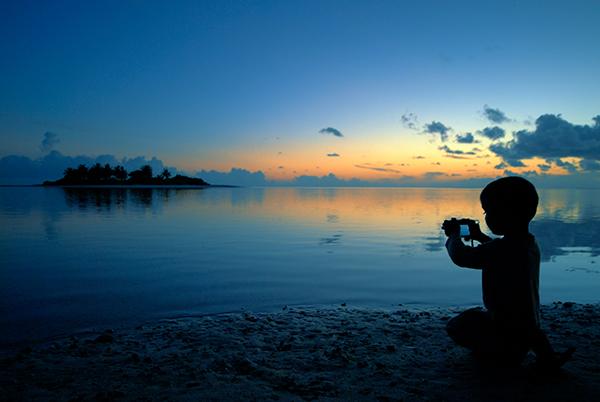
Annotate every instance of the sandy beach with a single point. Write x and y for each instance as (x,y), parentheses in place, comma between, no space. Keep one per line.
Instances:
(336,353)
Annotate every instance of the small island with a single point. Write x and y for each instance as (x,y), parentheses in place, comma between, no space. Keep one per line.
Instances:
(98,175)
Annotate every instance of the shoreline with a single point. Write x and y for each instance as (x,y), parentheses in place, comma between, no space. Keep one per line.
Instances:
(310,353)
(125,186)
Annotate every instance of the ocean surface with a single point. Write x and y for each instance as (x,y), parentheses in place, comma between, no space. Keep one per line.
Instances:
(74,260)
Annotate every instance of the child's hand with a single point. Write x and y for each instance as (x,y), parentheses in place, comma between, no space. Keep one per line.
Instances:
(474,229)
(451,227)
(476,233)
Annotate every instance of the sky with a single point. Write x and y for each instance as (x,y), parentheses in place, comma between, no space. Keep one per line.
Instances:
(371,91)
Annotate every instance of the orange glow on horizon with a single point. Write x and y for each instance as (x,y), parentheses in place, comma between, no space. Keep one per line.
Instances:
(414,156)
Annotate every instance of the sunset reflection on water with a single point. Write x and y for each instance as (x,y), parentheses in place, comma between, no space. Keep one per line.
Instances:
(77,258)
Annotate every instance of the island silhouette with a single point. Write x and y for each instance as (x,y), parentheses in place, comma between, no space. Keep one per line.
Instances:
(98,175)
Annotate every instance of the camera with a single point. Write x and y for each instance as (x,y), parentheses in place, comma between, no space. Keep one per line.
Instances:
(463,226)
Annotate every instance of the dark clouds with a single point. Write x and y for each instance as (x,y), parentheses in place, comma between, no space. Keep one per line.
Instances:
(330,130)
(235,177)
(493,133)
(378,169)
(543,167)
(552,139)
(333,155)
(589,165)
(571,168)
(329,180)
(510,162)
(49,141)
(495,115)
(466,138)
(409,120)
(436,127)
(450,151)
(433,175)
(16,169)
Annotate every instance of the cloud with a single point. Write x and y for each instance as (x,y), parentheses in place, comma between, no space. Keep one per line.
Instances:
(513,163)
(446,149)
(589,165)
(553,138)
(571,168)
(235,177)
(433,175)
(329,180)
(419,157)
(436,127)
(378,169)
(467,138)
(493,133)
(49,141)
(409,120)
(544,167)
(333,155)
(16,169)
(494,115)
(527,173)
(442,179)
(330,130)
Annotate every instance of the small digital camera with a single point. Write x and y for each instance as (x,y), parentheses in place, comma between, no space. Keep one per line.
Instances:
(461,225)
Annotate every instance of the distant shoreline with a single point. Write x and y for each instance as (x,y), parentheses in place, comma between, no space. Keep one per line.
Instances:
(127,186)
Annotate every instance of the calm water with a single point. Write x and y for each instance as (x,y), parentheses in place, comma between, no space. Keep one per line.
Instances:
(72,260)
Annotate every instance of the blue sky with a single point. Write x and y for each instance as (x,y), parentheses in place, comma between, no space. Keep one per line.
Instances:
(216,85)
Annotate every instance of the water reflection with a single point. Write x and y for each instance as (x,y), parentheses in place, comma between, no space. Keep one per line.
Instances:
(566,219)
(217,249)
(331,240)
(558,238)
(434,243)
(555,238)
(332,218)
(584,270)
(116,198)
(99,199)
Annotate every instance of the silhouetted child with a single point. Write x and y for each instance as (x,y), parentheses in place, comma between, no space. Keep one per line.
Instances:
(509,326)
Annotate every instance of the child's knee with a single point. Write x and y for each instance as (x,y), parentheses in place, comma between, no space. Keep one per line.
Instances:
(453,328)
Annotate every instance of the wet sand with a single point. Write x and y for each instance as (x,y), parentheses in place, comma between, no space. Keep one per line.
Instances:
(337,353)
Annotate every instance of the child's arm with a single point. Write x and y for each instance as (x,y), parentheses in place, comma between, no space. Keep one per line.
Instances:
(467,256)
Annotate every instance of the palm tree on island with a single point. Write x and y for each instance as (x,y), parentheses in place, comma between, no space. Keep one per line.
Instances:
(98,175)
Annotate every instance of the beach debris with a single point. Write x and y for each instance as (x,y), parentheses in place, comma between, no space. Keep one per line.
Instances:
(250,317)
(243,365)
(105,337)
(284,346)
(135,357)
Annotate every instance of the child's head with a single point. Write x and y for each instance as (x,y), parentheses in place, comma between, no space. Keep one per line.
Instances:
(510,204)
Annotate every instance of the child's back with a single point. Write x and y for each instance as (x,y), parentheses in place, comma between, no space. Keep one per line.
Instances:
(510,281)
